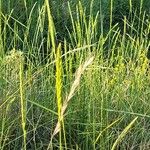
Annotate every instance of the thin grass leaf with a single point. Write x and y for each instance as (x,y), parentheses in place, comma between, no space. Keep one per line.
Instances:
(123,134)
(109,126)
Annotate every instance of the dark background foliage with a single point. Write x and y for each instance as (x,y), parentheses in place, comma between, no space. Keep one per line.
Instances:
(20,10)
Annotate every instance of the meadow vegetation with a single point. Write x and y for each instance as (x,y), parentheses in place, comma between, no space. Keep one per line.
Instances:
(74,74)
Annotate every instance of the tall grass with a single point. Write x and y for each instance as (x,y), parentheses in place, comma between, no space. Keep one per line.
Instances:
(86,89)
(22,102)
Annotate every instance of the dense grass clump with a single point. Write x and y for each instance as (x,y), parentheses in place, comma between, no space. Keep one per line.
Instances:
(74,75)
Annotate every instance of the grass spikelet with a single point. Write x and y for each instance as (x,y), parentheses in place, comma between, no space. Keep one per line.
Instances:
(59,85)
(23,104)
(51,26)
(74,86)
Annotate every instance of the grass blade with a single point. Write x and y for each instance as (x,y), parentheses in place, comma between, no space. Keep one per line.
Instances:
(123,133)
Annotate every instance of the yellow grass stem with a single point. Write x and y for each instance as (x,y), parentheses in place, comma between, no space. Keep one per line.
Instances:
(59,86)
(23,105)
(74,86)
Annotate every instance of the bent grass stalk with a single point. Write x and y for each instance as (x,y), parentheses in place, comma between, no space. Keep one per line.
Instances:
(109,126)
(123,133)
(74,86)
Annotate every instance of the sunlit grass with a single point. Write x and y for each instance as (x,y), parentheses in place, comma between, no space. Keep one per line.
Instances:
(87,90)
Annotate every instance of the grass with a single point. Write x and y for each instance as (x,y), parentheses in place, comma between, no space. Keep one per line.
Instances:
(81,86)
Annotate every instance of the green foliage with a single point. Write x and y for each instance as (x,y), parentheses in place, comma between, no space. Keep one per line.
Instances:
(42,43)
